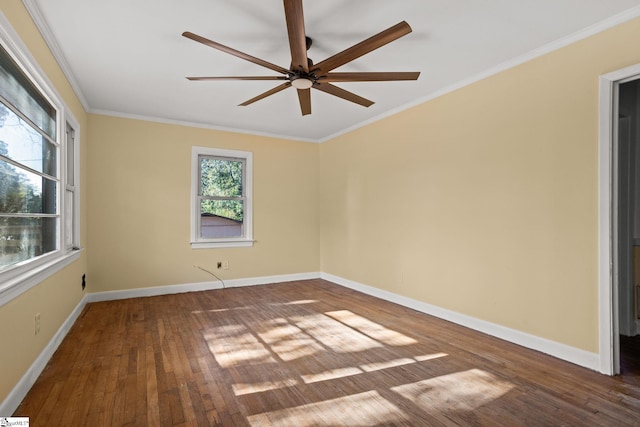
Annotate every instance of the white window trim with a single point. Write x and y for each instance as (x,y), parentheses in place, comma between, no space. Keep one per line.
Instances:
(29,273)
(247,240)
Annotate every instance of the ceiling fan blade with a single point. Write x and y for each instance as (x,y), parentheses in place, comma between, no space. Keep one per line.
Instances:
(370,77)
(304,96)
(297,37)
(344,94)
(364,47)
(238,78)
(234,52)
(267,93)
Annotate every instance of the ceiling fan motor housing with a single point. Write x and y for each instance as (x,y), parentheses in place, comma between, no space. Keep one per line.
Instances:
(302,81)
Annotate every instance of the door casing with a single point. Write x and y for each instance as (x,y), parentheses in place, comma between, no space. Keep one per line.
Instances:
(609,345)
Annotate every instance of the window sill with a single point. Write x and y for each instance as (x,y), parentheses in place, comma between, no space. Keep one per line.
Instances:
(21,283)
(222,244)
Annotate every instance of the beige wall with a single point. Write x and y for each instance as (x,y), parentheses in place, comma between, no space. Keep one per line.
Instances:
(482,201)
(56,297)
(139,206)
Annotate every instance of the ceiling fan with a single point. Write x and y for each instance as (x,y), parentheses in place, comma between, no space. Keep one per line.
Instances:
(303,73)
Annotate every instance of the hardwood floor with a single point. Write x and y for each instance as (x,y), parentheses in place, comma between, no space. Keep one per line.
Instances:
(306,354)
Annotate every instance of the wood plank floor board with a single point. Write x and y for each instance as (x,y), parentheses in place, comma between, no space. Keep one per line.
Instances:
(308,353)
(45,403)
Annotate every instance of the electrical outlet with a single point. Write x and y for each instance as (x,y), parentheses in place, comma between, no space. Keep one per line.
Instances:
(219,265)
(225,264)
(36,323)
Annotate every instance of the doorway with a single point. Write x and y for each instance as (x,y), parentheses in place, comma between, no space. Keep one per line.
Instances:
(619,218)
(627,233)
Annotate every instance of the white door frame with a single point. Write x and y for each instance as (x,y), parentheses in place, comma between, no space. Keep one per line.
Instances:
(609,347)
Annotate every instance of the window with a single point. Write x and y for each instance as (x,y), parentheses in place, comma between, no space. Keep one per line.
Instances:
(221,198)
(38,174)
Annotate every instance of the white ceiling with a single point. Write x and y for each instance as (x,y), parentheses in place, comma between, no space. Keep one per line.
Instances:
(128,58)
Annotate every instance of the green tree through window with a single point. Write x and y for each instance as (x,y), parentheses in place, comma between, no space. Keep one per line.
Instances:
(221,187)
(21,237)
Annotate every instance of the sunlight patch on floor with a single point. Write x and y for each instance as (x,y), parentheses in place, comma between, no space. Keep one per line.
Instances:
(378,366)
(460,391)
(430,356)
(363,409)
(242,389)
(288,341)
(222,310)
(371,329)
(334,335)
(232,345)
(369,367)
(300,302)
(331,374)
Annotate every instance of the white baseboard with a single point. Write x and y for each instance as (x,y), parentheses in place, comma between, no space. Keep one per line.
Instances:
(12,401)
(200,286)
(553,348)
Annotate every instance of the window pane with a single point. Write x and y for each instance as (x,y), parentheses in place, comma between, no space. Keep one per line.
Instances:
(231,209)
(25,238)
(25,192)
(71,155)
(68,219)
(221,218)
(16,88)
(221,178)
(22,144)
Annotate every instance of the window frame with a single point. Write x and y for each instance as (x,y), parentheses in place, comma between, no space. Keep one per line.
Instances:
(198,242)
(24,275)
(71,129)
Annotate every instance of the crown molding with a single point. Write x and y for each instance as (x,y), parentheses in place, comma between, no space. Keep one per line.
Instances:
(54,47)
